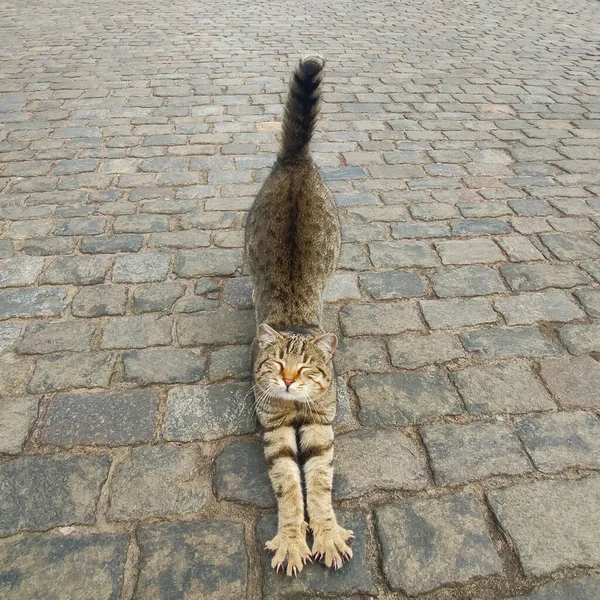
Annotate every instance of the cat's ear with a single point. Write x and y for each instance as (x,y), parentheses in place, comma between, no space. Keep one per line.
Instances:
(327,343)
(266,335)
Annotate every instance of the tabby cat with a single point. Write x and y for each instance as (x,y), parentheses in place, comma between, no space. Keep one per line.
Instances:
(292,249)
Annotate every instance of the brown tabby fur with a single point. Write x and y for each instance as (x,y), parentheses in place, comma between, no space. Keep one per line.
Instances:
(292,249)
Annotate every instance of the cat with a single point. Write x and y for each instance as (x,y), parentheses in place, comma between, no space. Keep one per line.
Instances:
(292,249)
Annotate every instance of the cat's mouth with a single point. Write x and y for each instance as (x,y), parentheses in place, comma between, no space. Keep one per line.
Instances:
(290,394)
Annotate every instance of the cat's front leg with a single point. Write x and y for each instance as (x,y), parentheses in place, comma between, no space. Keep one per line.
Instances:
(289,545)
(330,541)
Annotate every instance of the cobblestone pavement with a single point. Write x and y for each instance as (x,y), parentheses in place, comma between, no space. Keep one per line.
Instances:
(462,142)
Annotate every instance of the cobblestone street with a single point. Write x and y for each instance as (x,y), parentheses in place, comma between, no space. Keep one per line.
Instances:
(461,140)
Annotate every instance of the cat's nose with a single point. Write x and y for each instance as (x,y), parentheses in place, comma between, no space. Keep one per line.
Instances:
(287,382)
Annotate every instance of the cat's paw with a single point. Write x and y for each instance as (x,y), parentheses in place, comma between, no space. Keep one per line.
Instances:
(290,550)
(331,544)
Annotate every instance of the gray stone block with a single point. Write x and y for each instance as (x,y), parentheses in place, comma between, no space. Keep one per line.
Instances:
(393,255)
(51,566)
(20,271)
(18,416)
(137,332)
(200,263)
(209,412)
(523,278)
(393,284)
(141,267)
(360,354)
(467,281)
(468,252)
(57,372)
(33,302)
(375,460)
(403,398)
(570,247)
(80,270)
(447,314)
(110,244)
(480,227)
(430,543)
(354,258)
(110,418)
(163,365)
(9,334)
(505,387)
(41,492)
(192,560)
(342,286)
(241,475)
(157,297)
(411,351)
(519,248)
(379,319)
(527,512)
(216,327)
(238,292)
(504,343)
(47,337)
(230,361)
(529,308)
(100,300)
(157,481)
(463,453)
(581,339)
(580,588)
(590,300)
(574,381)
(353,577)
(561,440)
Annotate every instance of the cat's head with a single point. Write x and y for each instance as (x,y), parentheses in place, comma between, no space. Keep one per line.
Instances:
(293,367)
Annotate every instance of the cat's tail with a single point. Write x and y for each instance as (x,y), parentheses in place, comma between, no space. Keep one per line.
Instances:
(301,109)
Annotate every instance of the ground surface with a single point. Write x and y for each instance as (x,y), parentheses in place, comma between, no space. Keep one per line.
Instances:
(462,142)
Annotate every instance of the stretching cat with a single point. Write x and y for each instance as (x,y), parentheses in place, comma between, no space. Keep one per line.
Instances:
(292,249)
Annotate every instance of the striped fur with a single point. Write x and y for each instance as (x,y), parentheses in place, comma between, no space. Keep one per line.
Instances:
(292,249)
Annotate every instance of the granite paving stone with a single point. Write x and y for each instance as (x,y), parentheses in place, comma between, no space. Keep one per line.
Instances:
(590,299)
(142,267)
(163,365)
(529,308)
(463,312)
(230,361)
(157,297)
(528,511)
(404,398)
(393,284)
(370,460)
(504,343)
(581,339)
(18,416)
(354,577)
(33,302)
(241,475)
(501,388)
(137,332)
(582,588)
(467,281)
(467,252)
(429,543)
(540,276)
(20,271)
(208,412)
(110,418)
(53,566)
(100,300)
(58,336)
(190,560)
(561,440)
(574,381)
(55,372)
(402,254)
(80,270)
(216,327)
(41,492)
(157,481)
(463,453)
(360,354)
(379,319)
(411,351)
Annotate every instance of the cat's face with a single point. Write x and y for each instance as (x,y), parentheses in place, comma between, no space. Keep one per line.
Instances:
(293,367)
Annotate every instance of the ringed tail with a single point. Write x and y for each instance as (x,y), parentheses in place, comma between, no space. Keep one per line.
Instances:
(301,109)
